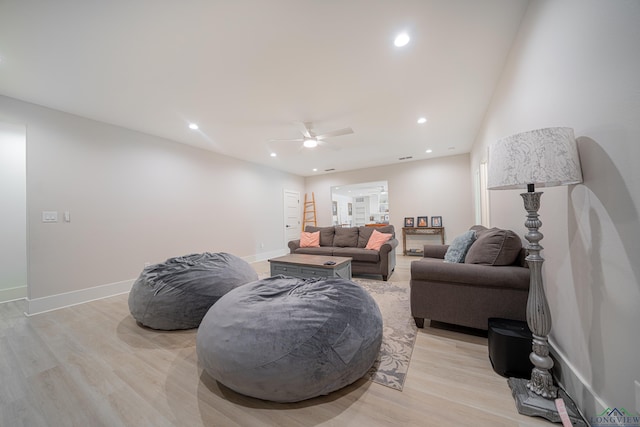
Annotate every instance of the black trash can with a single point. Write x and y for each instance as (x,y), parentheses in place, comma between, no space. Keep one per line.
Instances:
(509,347)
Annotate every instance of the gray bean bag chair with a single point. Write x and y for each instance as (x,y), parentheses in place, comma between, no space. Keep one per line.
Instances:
(287,339)
(177,293)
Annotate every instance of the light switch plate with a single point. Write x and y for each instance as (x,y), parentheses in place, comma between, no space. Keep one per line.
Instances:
(49,216)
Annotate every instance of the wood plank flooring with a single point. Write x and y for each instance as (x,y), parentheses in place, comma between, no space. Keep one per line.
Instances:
(92,365)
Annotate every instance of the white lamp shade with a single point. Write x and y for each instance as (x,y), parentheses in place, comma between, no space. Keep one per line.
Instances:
(544,157)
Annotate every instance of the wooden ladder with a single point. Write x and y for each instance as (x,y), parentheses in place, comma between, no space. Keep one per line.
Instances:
(309,215)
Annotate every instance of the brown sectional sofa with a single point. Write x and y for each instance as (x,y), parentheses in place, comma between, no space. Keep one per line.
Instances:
(493,281)
(351,242)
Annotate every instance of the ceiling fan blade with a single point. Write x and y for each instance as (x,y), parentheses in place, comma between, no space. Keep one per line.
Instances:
(287,140)
(305,128)
(345,131)
(328,145)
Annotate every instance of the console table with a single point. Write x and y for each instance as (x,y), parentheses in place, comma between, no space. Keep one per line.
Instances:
(419,231)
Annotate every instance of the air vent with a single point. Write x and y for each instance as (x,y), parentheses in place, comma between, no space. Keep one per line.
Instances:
(405,158)
(329,170)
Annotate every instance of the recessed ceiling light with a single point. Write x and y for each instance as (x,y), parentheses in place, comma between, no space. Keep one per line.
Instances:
(422,120)
(401,39)
(315,169)
(429,151)
(193,126)
(273,154)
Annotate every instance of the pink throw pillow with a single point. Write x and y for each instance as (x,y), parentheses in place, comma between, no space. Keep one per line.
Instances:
(377,239)
(310,240)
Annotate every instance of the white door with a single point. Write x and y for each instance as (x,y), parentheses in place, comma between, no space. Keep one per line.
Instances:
(361,208)
(291,215)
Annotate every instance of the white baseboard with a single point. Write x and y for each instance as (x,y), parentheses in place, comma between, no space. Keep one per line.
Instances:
(265,255)
(12,294)
(576,386)
(54,302)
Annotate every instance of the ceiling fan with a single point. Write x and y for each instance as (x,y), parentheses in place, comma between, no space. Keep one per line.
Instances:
(310,139)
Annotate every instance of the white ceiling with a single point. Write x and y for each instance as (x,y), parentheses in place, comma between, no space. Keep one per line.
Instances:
(247,70)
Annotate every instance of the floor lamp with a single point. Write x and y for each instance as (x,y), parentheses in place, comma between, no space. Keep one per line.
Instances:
(544,158)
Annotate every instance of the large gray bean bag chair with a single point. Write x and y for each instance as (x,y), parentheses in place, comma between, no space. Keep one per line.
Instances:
(286,339)
(177,293)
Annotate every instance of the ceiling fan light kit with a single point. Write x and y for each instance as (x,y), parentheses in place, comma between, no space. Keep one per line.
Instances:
(310,142)
(310,139)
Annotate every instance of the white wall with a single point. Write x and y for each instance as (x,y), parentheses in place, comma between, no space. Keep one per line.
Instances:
(576,63)
(440,186)
(13,218)
(135,198)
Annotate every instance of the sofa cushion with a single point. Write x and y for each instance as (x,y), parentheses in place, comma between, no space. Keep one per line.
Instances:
(377,239)
(358,254)
(310,240)
(365,233)
(322,250)
(494,247)
(346,237)
(459,247)
(326,234)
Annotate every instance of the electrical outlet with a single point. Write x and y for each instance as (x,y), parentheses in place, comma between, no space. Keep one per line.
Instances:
(637,383)
(49,216)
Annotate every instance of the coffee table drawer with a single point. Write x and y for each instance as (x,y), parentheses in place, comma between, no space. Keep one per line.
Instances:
(284,269)
(316,272)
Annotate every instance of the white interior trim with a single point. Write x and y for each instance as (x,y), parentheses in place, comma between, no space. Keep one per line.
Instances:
(54,302)
(576,386)
(12,294)
(266,255)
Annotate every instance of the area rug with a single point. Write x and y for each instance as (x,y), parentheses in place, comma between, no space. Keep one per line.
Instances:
(398,336)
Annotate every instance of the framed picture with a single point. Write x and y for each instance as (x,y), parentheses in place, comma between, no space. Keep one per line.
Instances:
(334,208)
(423,221)
(436,221)
(408,222)
(349,209)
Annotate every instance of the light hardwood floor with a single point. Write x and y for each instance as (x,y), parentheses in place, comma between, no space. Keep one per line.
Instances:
(92,365)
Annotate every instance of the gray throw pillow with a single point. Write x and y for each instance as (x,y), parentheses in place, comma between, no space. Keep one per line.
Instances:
(459,247)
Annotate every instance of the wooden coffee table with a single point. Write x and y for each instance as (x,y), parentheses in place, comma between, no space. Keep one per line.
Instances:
(306,266)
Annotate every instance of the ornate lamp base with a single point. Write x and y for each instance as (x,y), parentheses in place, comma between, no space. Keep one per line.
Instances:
(529,403)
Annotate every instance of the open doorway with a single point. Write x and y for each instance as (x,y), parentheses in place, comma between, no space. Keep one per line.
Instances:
(366,203)
(13,227)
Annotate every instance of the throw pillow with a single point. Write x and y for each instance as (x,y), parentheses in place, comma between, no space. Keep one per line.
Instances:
(310,240)
(377,239)
(495,247)
(458,248)
(326,234)
(364,233)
